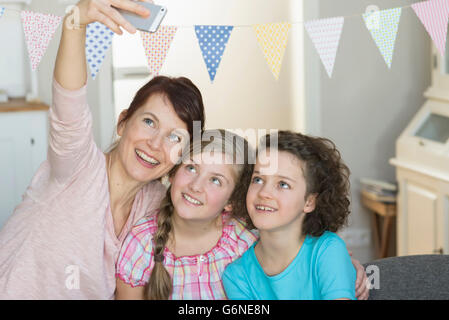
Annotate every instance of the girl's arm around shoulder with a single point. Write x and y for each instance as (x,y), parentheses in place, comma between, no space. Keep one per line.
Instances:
(244,238)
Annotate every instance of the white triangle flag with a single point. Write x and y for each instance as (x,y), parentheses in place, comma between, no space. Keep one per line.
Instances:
(325,35)
(39,29)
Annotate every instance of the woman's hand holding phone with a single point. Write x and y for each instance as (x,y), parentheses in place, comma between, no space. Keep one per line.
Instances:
(102,11)
(70,66)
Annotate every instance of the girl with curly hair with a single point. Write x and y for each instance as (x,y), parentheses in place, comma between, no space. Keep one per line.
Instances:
(297,208)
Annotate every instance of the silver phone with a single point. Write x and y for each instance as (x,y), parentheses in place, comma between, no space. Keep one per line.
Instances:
(150,24)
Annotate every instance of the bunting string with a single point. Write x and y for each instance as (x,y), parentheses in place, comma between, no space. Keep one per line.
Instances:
(356,15)
(324,33)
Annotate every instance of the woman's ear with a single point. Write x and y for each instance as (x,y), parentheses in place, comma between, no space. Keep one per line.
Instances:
(310,203)
(121,123)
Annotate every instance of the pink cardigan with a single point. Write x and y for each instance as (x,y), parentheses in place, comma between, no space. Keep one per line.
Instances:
(60,242)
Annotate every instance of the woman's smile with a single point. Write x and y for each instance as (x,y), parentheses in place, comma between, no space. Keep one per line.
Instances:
(145,159)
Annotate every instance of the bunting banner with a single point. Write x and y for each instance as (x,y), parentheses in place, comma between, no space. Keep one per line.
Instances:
(434,15)
(384,30)
(273,38)
(325,35)
(156,46)
(98,41)
(212,41)
(39,29)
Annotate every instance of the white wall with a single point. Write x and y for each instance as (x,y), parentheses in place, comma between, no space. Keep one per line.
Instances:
(365,106)
(14,73)
(99,90)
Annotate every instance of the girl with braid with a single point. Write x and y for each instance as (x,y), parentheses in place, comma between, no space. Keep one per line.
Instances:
(182,251)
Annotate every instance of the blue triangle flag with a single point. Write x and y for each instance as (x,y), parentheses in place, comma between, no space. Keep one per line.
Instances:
(212,41)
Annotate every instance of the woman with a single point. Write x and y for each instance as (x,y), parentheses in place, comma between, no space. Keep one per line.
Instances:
(63,240)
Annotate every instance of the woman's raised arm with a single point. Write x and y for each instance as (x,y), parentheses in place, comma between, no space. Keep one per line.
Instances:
(70,67)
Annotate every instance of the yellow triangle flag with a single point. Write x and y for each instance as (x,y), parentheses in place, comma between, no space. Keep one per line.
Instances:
(273,39)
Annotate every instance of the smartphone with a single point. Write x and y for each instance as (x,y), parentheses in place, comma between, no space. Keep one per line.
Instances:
(150,24)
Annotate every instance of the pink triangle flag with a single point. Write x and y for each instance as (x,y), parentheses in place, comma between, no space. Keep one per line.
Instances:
(325,35)
(156,46)
(39,29)
(434,15)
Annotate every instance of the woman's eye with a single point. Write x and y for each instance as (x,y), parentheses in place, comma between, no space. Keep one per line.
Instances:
(216,181)
(284,185)
(257,180)
(149,122)
(190,168)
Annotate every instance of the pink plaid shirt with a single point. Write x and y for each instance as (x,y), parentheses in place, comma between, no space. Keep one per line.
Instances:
(194,277)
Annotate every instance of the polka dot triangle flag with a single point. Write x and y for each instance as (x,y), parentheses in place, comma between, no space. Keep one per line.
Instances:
(383,26)
(273,38)
(98,41)
(212,41)
(39,29)
(434,15)
(325,35)
(2,11)
(156,46)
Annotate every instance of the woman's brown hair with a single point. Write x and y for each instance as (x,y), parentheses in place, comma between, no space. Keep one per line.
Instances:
(160,285)
(326,176)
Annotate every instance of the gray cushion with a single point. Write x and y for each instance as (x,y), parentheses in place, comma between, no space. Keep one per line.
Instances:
(419,277)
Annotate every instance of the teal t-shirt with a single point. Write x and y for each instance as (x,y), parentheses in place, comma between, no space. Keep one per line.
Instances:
(322,270)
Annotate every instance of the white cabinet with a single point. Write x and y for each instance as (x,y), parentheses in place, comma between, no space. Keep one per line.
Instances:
(422,169)
(423,211)
(23,145)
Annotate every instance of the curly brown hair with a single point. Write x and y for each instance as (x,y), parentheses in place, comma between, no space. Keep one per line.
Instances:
(326,175)
(160,284)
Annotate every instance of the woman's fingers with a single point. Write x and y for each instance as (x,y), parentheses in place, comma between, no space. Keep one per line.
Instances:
(131,6)
(362,289)
(359,291)
(361,275)
(114,15)
(108,22)
(364,295)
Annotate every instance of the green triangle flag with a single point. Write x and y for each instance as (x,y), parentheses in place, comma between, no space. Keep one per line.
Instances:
(383,26)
